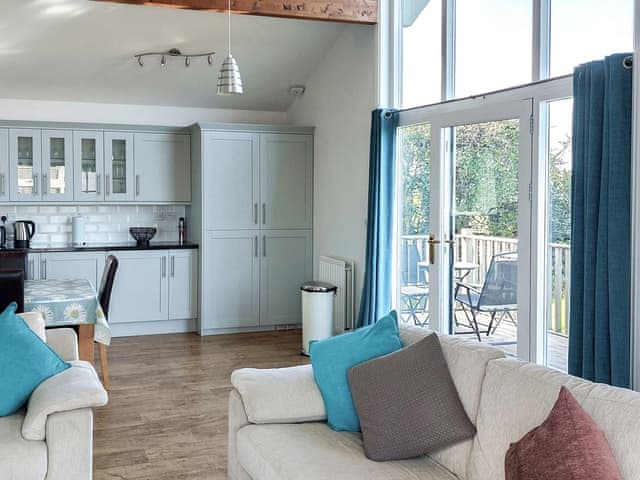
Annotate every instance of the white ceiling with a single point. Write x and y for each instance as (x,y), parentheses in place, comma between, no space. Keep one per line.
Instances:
(80,50)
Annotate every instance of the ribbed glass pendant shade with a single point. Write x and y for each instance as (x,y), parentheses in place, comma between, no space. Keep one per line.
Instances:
(229,80)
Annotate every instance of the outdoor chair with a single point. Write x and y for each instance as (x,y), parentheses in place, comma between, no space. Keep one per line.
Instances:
(497,296)
(414,292)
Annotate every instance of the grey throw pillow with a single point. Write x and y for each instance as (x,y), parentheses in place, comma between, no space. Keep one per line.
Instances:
(407,403)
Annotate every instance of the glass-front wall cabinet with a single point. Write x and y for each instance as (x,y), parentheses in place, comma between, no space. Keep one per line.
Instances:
(88,165)
(118,172)
(57,173)
(24,160)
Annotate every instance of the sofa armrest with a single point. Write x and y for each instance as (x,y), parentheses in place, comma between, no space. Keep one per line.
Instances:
(64,342)
(75,388)
(279,395)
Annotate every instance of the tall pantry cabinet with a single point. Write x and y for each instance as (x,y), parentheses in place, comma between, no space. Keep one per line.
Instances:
(252,215)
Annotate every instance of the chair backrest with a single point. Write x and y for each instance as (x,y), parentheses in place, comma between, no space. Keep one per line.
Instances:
(106,284)
(409,258)
(12,289)
(14,260)
(500,286)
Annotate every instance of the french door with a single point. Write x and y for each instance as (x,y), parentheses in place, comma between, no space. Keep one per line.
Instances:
(464,222)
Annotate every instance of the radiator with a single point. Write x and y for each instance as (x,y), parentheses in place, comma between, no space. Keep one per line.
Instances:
(340,272)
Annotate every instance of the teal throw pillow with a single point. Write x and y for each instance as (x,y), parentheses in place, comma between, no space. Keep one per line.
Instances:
(332,358)
(25,361)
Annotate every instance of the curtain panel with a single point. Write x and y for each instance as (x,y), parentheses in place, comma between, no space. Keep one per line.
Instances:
(599,336)
(377,288)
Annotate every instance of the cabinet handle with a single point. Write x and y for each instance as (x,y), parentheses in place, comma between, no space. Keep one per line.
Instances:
(44,183)
(264,246)
(255,213)
(164,267)
(43,269)
(137,184)
(98,181)
(2,192)
(32,267)
(264,213)
(255,246)
(106,184)
(173,265)
(35,184)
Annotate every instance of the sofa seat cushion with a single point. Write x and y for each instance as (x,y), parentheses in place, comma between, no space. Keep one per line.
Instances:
(19,458)
(313,450)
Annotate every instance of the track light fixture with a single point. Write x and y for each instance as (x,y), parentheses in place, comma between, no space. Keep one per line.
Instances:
(174,52)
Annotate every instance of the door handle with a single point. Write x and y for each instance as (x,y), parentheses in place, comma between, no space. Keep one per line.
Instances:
(98,180)
(164,267)
(2,192)
(173,265)
(255,246)
(432,248)
(264,213)
(264,245)
(35,184)
(255,213)
(106,184)
(44,183)
(137,184)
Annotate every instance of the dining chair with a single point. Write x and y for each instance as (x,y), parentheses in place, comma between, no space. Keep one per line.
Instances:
(104,297)
(14,260)
(12,289)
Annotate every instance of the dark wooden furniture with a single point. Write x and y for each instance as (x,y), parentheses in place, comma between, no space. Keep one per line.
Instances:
(104,297)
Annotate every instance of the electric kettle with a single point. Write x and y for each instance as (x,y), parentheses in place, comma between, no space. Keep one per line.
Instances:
(23,231)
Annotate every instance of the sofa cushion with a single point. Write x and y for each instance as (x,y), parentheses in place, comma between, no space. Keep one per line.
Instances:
(568,444)
(407,403)
(25,361)
(20,458)
(517,396)
(467,361)
(312,450)
(333,357)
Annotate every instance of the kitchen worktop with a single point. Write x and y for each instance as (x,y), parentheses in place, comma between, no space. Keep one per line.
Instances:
(104,247)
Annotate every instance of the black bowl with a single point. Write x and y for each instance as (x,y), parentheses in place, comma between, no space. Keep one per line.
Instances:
(142,235)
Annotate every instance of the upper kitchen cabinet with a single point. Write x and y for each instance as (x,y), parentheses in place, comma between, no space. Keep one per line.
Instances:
(88,165)
(286,181)
(118,166)
(231,167)
(4,164)
(57,165)
(25,150)
(162,167)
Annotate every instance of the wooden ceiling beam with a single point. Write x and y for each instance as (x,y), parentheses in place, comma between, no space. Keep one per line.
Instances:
(349,11)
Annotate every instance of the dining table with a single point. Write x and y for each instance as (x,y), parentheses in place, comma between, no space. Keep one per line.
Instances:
(65,303)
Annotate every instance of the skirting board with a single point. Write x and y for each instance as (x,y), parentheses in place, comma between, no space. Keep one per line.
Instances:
(271,328)
(152,328)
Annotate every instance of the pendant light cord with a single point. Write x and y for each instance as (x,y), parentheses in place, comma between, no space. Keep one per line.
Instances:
(229,29)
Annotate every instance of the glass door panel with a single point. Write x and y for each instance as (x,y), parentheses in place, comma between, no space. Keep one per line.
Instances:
(57,175)
(414,170)
(558,118)
(486,160)
(88,165)
(118,166)
(24,157)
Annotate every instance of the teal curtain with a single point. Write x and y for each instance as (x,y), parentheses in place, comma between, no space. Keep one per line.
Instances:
(599,336)
(377,289)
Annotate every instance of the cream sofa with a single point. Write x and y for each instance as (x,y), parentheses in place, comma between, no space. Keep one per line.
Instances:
(276,428)
(52,438)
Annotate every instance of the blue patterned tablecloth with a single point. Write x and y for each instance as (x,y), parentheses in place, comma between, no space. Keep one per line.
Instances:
(67,302)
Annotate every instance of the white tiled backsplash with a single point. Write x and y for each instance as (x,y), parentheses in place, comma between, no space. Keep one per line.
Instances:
(104,223)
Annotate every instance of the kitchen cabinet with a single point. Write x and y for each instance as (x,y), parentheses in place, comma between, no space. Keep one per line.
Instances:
(154,285)
(4,164)
(88,165)
(162,167)
(118,166)
(230,280)
(57,165)
(257,181)
(25,165)
(66,265)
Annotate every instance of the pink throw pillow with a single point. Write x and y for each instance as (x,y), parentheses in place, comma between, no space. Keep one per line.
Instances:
(568,445)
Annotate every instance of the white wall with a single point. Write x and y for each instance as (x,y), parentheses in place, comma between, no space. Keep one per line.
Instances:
(45,110)
(338,101)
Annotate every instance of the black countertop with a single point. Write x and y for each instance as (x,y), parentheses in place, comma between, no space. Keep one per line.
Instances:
(108,247)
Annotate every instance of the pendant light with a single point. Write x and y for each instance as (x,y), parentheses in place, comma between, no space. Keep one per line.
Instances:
(229,80)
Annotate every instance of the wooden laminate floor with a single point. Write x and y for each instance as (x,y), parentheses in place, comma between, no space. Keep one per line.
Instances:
(167,412)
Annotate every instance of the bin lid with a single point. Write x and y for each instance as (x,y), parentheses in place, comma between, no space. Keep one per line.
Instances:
(318,287)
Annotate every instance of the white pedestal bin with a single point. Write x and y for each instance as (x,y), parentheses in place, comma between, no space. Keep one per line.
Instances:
(317,312)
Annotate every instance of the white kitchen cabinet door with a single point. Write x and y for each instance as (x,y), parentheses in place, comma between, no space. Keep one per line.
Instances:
(286,263)
(118,166)
(4,164)
(162,167)
(57,165)
(230,280)
(183,284)
(33,266)
(231,190)
(25,155)
(88,166)
(140,289)
(72,265)
(286,181)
